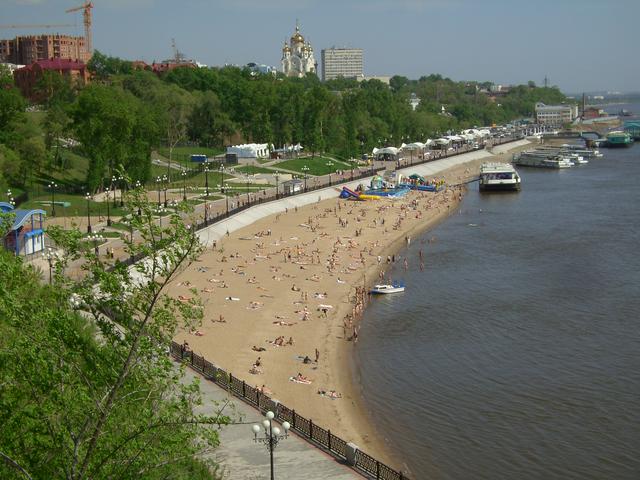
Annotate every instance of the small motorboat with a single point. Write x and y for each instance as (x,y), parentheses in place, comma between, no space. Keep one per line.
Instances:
(384,289)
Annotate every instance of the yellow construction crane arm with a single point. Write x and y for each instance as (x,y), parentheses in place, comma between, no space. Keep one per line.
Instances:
(40,26)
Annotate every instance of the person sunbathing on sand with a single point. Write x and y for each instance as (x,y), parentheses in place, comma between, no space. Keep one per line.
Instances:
(255,370)
(284,324)
(208,290)
(184,298)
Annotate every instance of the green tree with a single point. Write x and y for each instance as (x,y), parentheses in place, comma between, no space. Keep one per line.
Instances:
(103,66)
(53,88)
(91,395)
(56,126)
(115,129)
(208,123)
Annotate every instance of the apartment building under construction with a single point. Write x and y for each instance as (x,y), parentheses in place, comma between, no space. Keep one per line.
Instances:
(25,50)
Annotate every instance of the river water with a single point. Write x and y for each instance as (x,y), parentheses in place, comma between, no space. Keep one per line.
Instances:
(515,354)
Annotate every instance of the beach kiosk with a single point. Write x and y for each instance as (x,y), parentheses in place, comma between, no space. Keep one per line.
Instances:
(26,235)
(293,186)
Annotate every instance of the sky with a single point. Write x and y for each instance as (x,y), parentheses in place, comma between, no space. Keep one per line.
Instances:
(579,45)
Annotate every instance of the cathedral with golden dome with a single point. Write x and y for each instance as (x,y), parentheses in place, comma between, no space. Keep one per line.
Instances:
(297,56)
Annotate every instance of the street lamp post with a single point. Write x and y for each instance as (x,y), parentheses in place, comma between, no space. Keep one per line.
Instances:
(10,198)
(226,195)
(221,170)
(87,196)
(277,176)
(271,436)
(246,177)
(137,186)
(114,186)
(50,256)
(107,192)
(330,164)
(53,186)
(305,169)
(96,239)
(184,184)
(206,179)
(158,181)
(123,185)
(165,185)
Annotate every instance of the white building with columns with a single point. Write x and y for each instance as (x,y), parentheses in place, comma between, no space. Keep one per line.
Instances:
(297,56)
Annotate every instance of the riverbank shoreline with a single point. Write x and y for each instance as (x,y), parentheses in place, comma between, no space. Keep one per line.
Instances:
(287,254)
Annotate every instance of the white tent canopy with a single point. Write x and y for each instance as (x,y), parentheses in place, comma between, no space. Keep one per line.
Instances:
(386,150)
(412,146)
(250,150)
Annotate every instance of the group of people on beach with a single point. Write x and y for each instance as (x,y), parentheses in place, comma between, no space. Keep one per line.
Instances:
(351,250)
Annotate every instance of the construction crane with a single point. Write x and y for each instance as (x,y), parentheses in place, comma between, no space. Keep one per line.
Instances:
(86,13)
(39,26)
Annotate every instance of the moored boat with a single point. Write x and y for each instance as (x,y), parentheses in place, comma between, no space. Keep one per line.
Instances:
(619,139)
(384,289)
(498,176)
(534,158)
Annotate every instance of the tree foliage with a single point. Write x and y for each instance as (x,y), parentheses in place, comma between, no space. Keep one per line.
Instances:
(116,130)
(90,395)
(129,112)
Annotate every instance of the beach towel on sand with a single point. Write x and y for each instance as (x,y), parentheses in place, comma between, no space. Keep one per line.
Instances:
(304,382)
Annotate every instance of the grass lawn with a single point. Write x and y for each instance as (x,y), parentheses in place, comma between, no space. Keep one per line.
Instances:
(317,165)
(77,207)
(252,169)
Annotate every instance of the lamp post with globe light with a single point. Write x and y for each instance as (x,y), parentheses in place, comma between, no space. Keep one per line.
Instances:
(107,192)
(10,198)
(97,239)
(50,256)
(138,186)
(226,196)
(87,196)
(184,184)
(221,170)
(271,435)
(305,169)
(52,186)
(329,164)
(206,179)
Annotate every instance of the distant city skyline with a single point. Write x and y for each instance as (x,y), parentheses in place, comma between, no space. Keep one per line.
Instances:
(580,46)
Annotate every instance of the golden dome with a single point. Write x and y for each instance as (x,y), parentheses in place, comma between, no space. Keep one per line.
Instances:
(286,48)
(297,37)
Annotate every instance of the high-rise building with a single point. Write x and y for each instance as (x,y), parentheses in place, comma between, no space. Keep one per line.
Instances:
(342,62)
(25,50)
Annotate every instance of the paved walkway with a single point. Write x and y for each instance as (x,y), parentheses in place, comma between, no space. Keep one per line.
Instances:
(242,458)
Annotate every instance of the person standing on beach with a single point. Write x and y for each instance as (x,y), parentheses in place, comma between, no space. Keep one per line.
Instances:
(317,355)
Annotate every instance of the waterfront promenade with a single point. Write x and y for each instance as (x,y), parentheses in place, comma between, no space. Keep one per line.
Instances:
(430,169)
(241,458)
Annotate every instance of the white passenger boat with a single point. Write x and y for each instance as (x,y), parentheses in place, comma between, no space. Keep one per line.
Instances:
(533,158)
(575,158)
(385,288)
(498,176)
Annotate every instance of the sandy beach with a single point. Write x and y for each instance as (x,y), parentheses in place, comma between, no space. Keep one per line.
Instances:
(293,285)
